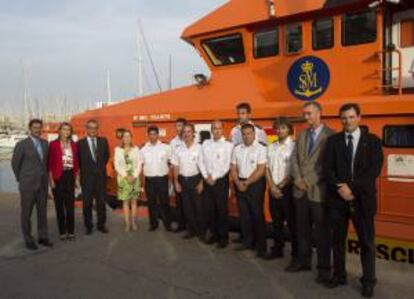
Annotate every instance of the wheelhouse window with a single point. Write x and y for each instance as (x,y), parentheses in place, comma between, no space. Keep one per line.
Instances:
(399,136)
(225,50)
(407,33)
(323,34)
(266,43)
(294,43)
(359,28)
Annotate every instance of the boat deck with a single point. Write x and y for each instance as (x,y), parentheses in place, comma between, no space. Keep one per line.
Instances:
(160,265)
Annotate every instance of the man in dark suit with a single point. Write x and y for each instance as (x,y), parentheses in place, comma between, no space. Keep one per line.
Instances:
(29,163)
(352,163)
(93,157)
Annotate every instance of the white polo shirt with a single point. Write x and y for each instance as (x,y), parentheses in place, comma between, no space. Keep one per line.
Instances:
(155,158)
(216,157)
(247,158)
(188,159)
(279,159)
(236,135)
(175,143)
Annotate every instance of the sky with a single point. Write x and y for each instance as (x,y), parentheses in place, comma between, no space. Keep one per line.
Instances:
(65,48)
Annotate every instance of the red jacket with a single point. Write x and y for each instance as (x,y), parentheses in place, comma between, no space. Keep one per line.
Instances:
(55,164)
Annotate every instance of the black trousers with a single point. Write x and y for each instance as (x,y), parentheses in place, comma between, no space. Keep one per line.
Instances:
(312,219)
(216,208)
(192,203)
(94,188)
(252,220)
(365,229)
(283,210)
(156,189)
(179,209)
(64,194)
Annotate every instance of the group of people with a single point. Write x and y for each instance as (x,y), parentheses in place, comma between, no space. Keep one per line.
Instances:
(316,184)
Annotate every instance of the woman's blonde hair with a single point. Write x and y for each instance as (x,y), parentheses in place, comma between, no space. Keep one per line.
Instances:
(122,138)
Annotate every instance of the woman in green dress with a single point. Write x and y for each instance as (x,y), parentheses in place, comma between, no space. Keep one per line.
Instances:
(128,167)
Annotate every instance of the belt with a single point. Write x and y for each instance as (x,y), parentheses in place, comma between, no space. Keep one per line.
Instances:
(188,178)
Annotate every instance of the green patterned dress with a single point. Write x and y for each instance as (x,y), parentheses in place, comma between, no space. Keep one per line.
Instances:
(126,190)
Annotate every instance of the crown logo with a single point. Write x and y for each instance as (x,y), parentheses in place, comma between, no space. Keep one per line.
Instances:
(307,67)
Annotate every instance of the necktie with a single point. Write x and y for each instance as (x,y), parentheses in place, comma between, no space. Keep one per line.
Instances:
(349,153)
(94,147)
(311,140)
(39,149)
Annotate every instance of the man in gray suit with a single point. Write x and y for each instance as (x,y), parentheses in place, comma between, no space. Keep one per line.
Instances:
(29,163)
(309,194)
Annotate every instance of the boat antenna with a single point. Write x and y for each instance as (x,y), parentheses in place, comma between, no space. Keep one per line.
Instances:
(154,70)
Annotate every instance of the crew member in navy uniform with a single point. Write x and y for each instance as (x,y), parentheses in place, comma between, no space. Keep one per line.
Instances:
(352,163)
(156,156)
(93,152)
(217,158)
(248,173)
(175,144)
(188,163)
(279,180)
(244,112)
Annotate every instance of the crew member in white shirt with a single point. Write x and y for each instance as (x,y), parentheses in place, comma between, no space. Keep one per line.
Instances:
(248,173)
(217,159)
(244,113)
(155,158)
(176,143)
(279,180)
(187,161)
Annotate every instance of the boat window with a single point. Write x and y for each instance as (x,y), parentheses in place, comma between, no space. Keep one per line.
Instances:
(399,136)
(225,50)
(407,33)
(294,42)
(359,28)
(266,43)
(323,34)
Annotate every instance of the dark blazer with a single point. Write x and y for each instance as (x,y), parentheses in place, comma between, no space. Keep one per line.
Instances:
(368,163)
(30,171)
(88,167)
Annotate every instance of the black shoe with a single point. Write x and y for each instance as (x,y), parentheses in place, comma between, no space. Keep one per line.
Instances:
(188,236)
(103,230)
(88,231)
(276,254)
(263,255)
(222,244)
(31,246)
(45,242)
(242,247)
(210,240)
(367,291)
(297,268)
(63,237)
(238,239)
(153,228)
(179,229)
(168,228)
(322,280)
(334,283)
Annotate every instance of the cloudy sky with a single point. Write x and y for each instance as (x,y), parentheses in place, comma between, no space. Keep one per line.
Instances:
(66,47)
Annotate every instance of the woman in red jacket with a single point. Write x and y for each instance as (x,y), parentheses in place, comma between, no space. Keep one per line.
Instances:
(63,175)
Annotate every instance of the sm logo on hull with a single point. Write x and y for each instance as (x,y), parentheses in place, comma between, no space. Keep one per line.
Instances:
(308,78)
